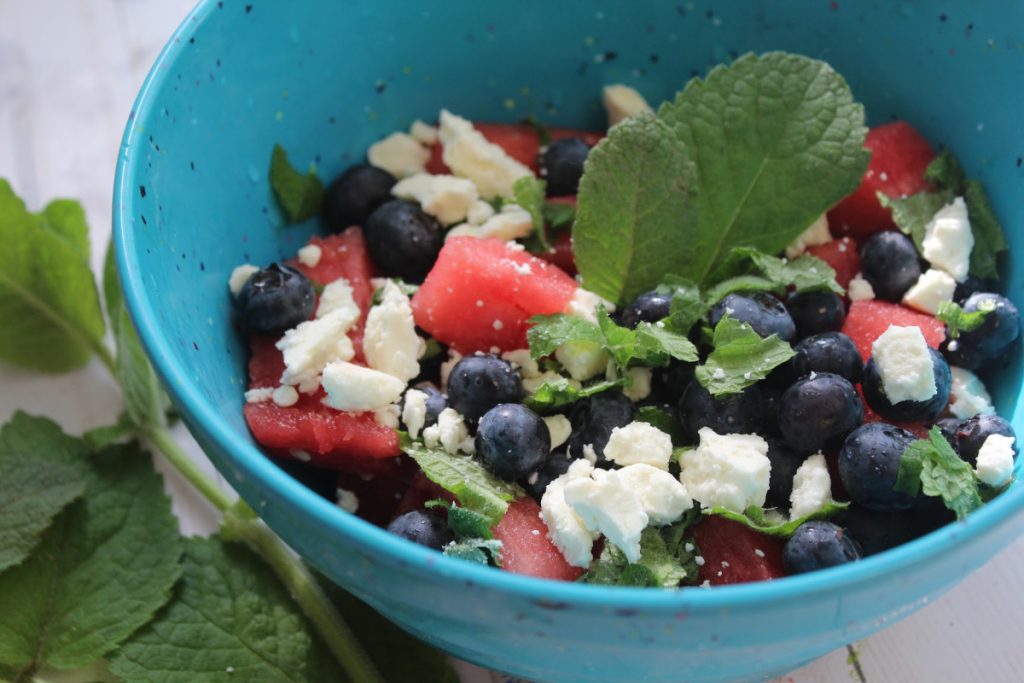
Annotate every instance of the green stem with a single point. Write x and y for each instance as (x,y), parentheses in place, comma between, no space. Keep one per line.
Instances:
(160,438)
(106,357)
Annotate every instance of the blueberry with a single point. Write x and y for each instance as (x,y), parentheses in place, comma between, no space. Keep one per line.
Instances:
(828,352)
(275,299)
(512,441)
(928,514)
(420,526)
(668,383)
(593,420)
(970,435)
(403,239)
(740,413)
(537,482)
(971,285)
(436,402)
(818,545)
(818,411)
(478,383)
(889,261)
(784,466)
(561,164)
(948,427)
(649,307)
(991,339)
(877,531)
(908,411)
(869,463)
(352,196)
(816,312)
(771,400)
(763,312)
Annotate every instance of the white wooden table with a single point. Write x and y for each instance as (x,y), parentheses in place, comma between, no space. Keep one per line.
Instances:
(69,71)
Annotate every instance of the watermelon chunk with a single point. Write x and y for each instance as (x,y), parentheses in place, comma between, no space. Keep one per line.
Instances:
(481,293)
(380,495)
(519,141)
(867,320)
(842,256)
(525,546)
(734,553)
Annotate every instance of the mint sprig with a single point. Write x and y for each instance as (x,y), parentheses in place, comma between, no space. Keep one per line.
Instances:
(300,194)
(932,467)
(774,524)
(664,560)
(747,269)
(740,358)
(558,393)
(958,320)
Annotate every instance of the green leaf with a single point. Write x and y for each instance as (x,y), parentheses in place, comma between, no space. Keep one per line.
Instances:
(958,320)
(558,216)
(777,140)
(664,420)
(111,285)
(465,478)
(66,219)
(102,570)
(635,211)
(465,523)
(649,344)
(479,550)
(664,560)
(932,466)
(300,195)
(548,332)
(230,620)
(687,306)
(740,358)
(143,396)
(528,192)
(804,274)
(770,523)
(99,438)
(989,240)
(944,172)
(48,298)
(912,214)
(557,393)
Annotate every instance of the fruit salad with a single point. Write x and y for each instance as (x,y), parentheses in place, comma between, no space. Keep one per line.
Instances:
(738,338)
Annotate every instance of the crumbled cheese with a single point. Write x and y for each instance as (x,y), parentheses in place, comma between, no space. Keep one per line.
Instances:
(608,505)
(812,487)
(399,154)
(469,155)
(968,396)
(337,296)
(445,197)
(511,223)
(259,395)
(285,396)
(730,470)
(313,344)
(639,442)
(565,528)
(813,236)
(450,433)
(560,429)
(414,411)
(310,255)
(621,102)
(589,454)
(948,240)
(387,416)
(446,367)
(239,276)
(584,304)
(347,500)
(531,384)
(860,289)
(639,386)
(423,133)
(300,454)
(523,361)
(995,460)
(354,388)
(479,212)
(904,364)
(390,342)
(663,497)
(932,288)
(582,359)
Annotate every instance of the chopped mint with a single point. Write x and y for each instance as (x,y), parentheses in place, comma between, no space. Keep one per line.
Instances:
(300,195)
(989,240)
(479,550)
(773,523)
(463,522)
(558,216)
(912,214)
(687,307)
(432,349)
(740,358)
(958,320)
(664,560)
(932,466)
(558,393)
(529,192)
(548,332)
(651,345)
(804,274)
(945,172)
(403,286)
(663,419)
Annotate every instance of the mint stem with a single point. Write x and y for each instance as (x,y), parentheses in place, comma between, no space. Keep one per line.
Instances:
(161,438)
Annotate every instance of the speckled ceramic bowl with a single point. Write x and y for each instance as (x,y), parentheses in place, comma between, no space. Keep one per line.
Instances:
(326,79)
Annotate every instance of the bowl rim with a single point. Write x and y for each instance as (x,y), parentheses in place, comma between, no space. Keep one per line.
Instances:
(377,541)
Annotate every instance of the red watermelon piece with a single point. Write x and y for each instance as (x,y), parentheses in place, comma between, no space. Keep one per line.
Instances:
(380,494)
(842,256)
(481,293)
(419,492)
(525,546)
(867,320)
(561,254)
(735,553)
(519,141)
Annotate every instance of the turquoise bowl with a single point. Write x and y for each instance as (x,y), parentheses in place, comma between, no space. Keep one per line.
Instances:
(325,79)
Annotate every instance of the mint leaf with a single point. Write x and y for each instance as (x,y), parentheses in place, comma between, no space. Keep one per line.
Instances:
(647,345)
(912,214)
(230,620)
(944,172)
(465,478)
(663,562)
(804,274)
(557,393)
(66,218)
(777,140)
(48,298)
(111,284)
(635,210)
(463,522)
(143,396)
(663,419)
(300,195)
(932,466)
(558,216)
(740,358)
(479,550)
(548,332)
(958,320)
(771,523)
(989,240)
(101,571)
(687,306)
(528,192)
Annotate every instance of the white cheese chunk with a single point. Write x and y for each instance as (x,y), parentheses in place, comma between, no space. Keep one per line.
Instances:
(446,367)
(968,396)
(522,361)
(450,433)
(479,212)
(387,416)
(582,359)
(817,234)
(347,500)
(445,197)
(390,342)
(414,411)
(663,497)
(259,395)
(285,396)
(565,528)
(337,297)
(531,384)
(511,223)
(308,348)
(860,289)
(310,255)
(469,155)
(560,428)
(948,240)
(423,133)
(354,388)
(812,487)
(399,154)
(607,504)
(730,470)
(639,442)
(239,276)
(639,386)
(584,304)
(995,460)
(932,288)
(621,102)
(904,364)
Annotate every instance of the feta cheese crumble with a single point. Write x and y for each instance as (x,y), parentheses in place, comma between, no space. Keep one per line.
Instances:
(308,348)
(387,416)
(450,433)
(584,304)
(968,396)
(423,133)
(347,500)
(239,276)
(445,197)
(559,428)
(812,487)
(904,364)
(285,396)
(639,386)
(355,388)
(511,223)
(932,288)
(815,235)
(730,470)
(414,411)
(621,102)
(522,360)
(259,395)
(639,442)
(337,296)
(469,155)
(995,460)
(310,255)
(663,497)
(479,212)
(390,342)
(948,240)
(565,528)
(860,289)
(399,154)
(606,504)
(582,359)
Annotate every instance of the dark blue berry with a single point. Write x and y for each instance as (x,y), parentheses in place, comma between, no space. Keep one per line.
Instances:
(970,435)
(436,402)
(877,531)
(403,239)
(828,352)
(784,466)
(816,312)
(763,312)
(971,285)
(669,383)
(869,463)
(889,261)
(594,419)
(537,482)
(561,165)
(948,427)
(818,545)
(649,307)
(989,341)
(478,383)
(275,299)
(512,441)
(425,528)
(908,411)
(741,413)
(818,411)
(928,514)
(771,401)
(352,196)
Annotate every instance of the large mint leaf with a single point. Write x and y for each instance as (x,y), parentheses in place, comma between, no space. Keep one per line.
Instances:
(300,194)
(636,210)
(144,398)
(989,241)
(764,522)
(66,218)
(101,571)
(932,466)
(740,358)
(776,140)
(230,620)
(548,332)
(111,284)
(49,305)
